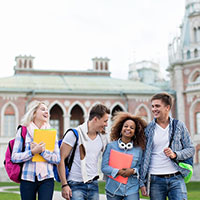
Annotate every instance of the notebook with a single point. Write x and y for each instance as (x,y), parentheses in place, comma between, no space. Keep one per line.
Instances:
(48,136)
(120,160)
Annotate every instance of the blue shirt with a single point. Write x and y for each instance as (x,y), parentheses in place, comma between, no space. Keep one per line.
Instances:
(115,187)
(181,145)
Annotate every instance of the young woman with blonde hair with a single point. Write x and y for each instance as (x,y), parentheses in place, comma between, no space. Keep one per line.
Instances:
(37,177)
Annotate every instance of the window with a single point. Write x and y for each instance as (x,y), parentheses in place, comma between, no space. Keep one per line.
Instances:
(188,54)
(195,34)
(195,53)
(198,122)
(198,35)
(9,123)
(9,126)
(74,123)
(55,124)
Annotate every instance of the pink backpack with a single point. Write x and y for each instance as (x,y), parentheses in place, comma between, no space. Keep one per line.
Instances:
(14,170)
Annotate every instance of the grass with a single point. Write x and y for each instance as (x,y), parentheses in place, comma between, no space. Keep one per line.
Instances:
(192,187)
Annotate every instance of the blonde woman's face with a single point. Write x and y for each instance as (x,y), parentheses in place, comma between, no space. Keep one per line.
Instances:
(42,113)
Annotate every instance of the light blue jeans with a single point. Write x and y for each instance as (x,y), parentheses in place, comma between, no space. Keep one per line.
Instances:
(84,191)
(110,196)
(174,188)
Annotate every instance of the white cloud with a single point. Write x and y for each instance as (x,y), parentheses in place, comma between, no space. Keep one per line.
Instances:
(67,34)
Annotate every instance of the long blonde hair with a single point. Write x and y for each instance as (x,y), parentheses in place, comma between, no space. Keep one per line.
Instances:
(30,114)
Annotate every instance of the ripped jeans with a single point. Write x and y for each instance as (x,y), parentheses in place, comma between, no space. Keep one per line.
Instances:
(174,188)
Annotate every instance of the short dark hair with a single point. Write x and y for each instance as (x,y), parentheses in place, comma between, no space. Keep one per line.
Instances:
(99,110)
(164,97)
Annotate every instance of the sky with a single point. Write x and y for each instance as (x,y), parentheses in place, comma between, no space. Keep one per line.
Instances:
(67,34)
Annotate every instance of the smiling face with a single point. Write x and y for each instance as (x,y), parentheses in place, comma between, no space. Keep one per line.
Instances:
(128,129)
(100,124)
(159,109)
(41,115)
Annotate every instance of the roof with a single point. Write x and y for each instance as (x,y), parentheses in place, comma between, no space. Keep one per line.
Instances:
(73,84)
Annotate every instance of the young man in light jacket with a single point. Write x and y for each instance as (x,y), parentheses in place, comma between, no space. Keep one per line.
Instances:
(82,180)
(167,178)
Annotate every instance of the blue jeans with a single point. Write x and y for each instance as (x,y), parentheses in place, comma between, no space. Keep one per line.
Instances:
(28,189)
(110,196)
(84,191)
(174,188)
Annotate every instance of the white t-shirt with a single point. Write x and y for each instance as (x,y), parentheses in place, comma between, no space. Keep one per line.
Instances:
(93,151)
(160,163)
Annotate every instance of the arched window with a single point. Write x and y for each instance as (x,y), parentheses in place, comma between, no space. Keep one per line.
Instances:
(101,66)
(195,34)
(9,122)
(117,108)
(196,77)
(56,120)
(20,64)
(97,67)
(25,64)
(198,35)
(76,116)
(196,53)
(106,66)
(142,113)
(188,54)
(198,122)
(30,64)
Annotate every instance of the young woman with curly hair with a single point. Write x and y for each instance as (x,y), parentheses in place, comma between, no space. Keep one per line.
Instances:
(127,137)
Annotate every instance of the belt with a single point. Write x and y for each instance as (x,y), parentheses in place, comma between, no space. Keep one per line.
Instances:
(94,179)
(167,175)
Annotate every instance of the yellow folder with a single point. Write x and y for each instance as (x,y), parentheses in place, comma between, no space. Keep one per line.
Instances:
(48,136)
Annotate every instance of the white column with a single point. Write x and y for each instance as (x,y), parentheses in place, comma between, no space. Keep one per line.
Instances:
(66,122)
(178,83)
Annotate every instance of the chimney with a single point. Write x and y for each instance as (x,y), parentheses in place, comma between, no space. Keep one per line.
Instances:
(100,64)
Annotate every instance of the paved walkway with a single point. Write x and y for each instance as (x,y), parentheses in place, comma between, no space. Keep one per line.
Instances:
(56,195)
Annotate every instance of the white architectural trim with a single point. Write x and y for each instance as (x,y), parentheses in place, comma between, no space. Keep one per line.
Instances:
(147,110)
(2,115)
(64,112)
(82,107)
(117,104)
(191,117)
(191,76)
(95,103)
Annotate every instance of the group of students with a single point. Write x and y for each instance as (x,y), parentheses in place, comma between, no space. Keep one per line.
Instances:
(147,145)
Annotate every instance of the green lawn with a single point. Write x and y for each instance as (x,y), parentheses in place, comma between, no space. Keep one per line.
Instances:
(192,187)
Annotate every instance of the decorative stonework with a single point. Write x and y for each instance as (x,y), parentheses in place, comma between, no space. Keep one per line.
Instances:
(87,104)
(10,98)
(67,103)
(108,104)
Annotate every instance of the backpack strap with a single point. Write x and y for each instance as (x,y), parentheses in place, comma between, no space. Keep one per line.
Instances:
(69,159)
(23,135)
(174,123)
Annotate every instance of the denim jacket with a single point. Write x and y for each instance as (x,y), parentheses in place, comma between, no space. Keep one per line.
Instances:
(114,187)
(181,145)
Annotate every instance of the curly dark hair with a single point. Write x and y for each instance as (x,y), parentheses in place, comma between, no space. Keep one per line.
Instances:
(119,119)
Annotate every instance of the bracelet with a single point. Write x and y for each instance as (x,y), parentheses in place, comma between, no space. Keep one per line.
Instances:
(65,185)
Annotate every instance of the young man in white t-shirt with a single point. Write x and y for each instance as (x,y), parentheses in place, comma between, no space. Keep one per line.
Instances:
(82,181)
(167,178)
